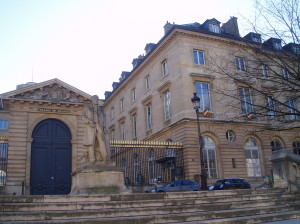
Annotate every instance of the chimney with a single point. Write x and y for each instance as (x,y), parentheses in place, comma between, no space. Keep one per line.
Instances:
(149,47)
(168,26)
(231,27)
(123,75)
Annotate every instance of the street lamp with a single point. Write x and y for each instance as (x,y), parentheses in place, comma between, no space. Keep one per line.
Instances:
(196,102)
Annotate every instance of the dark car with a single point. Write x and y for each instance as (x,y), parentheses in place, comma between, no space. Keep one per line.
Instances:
(175,186)
(230,183)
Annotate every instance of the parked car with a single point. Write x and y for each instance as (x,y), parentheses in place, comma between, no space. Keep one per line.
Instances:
(175,186)
(230,183)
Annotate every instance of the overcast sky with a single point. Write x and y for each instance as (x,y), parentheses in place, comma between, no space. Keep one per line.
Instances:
(88,43)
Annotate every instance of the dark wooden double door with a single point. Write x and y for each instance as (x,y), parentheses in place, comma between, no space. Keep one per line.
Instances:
(51,159)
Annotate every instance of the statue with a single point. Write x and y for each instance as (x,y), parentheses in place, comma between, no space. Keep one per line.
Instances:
(93,137)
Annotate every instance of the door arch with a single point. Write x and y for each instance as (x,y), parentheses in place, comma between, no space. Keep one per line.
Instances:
(51,158)
(252,158)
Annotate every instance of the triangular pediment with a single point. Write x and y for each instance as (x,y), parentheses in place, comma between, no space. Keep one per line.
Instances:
(53,90)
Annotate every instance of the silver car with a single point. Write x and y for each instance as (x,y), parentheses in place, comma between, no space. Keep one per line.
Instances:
(176,186)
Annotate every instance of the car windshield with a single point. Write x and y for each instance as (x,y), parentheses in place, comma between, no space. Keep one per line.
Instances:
(218,182)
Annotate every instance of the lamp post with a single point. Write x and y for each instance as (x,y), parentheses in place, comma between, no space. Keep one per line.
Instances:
(196,103)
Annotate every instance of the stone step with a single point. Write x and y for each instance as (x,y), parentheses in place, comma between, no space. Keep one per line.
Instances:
(222,216)
(163,200)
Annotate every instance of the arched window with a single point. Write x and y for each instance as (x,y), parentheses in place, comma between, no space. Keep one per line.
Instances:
(276,145)
(252,158)
(209,157)
(136,166)
(151,167)
(296,147)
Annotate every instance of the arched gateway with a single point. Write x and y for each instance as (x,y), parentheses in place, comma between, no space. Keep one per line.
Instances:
(51,158)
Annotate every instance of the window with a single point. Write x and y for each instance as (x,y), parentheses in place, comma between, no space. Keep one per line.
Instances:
(202,90)
(165,71)
(147,82)
(292,110)
(277,45)
(240,64)
(296,50)
(252,158)
(149,116)
(276,145)
(198,57)
(134,125)
(133,93)
(270,107)
(3,124)
(246,101)
(214,28)
(265,71)
(122,104)
(167,105)
(112,113)
(285,74)
(112,134)
(230,136)
(209,157)
(296,147)
(123,131)
(3,161)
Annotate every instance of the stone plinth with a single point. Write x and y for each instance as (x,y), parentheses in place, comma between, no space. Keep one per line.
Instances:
(98,178)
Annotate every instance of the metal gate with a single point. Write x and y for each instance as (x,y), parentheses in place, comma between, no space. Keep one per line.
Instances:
(145,162)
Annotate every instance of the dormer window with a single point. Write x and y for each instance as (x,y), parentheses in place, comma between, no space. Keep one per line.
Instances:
(296,50)
(256,39)
(214,28)
(277,45)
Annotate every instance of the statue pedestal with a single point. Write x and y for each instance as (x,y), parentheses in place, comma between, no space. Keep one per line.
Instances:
(98,178)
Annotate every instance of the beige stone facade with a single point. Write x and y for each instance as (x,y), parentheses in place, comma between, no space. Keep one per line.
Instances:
(27,107)
(168,70)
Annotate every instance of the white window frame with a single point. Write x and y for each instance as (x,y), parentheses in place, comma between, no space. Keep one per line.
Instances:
(112,113)
(246,101)
(148,83)
(240,64)
(167,105)
(133,92)
(198,57)
(112,134)
(165,69)
(122,105)
(205,99)
(122,127)
(214,28)
(285,74)
(291,109)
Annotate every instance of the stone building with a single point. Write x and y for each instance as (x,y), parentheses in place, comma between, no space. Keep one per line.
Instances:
(42,133)
(153,101)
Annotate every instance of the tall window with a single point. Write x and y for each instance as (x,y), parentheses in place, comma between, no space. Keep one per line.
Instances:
(3,162)
(246,101)
(151,167)
(165,70)
(112,113)
(123,131)
(149,116)
(252,158)
(122,104)
(276,145)
(209,157)
(198,57)
(292,110)
(112,134)
(133,94)
(148,84)
(270,107)
(296,147)
(134,125)
(265,71)
(240,64)
(285,74)
(167,105)
(202,90)
(3,124)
